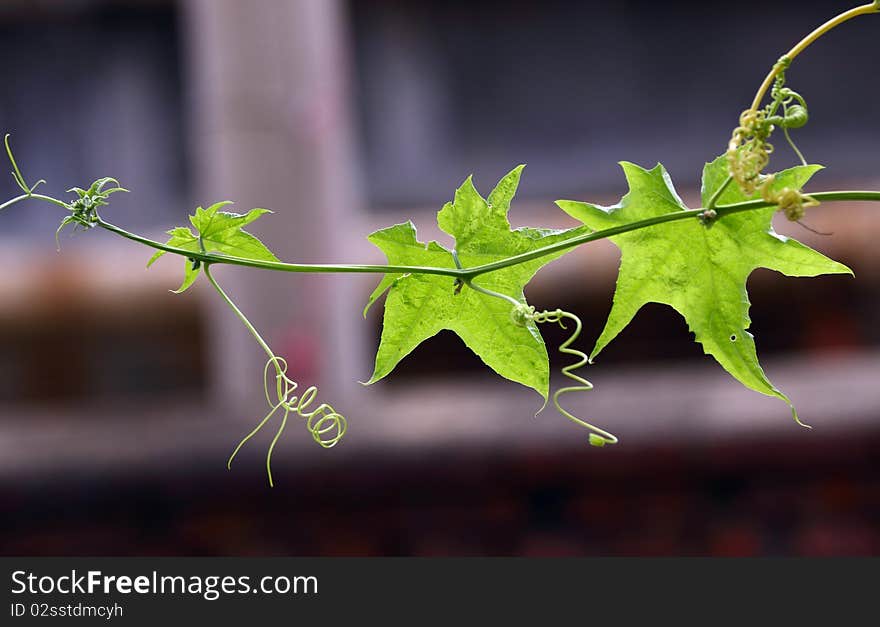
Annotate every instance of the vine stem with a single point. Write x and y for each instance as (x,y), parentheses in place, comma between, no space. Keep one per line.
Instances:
(483,290)
(721,211)
(804,43)
(475,271)
(714,199)
(49,199)
(238,312)
(465,274)
(487,292)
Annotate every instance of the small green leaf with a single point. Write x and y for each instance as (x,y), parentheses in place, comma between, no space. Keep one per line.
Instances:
(219,232)
(700,271)
(191,273)
(419,306)
(181,237)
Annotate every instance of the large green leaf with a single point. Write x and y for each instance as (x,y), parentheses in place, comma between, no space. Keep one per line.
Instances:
(419,306)
(699,270)
(219,232)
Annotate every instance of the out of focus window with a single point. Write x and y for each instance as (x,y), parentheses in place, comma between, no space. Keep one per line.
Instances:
(454,87)
(93,89)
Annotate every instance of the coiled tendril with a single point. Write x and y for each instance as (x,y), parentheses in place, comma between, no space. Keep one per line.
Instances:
(748,151)
(325,424)
(791,202)
(523,313)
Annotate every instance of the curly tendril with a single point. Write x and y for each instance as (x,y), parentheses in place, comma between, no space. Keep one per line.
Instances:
(524,313)
(748,151)
(324,423)
(791,202)
(521,314)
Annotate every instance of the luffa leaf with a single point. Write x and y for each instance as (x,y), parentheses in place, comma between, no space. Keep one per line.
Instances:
(220,232)
(419,306)
(698,270)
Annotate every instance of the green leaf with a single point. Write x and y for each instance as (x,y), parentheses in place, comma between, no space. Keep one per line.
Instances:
(419,306)
(219,232)
(700,271)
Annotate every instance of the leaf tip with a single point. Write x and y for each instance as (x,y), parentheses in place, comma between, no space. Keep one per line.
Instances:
(797,419)
(155,258)
(544,406)
(219,205)
(369,306)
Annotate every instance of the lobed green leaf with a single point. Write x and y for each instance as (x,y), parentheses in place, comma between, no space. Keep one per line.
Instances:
(218,232)
(699,270)
(420,306)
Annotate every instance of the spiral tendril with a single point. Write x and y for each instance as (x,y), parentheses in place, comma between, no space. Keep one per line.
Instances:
(791,202)
(748,151)
(521,314)
(324,423)
(598,437)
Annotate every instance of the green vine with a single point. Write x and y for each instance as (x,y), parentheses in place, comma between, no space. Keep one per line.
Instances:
(670,254)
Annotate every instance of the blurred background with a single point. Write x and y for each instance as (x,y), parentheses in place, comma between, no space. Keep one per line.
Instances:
(120,402)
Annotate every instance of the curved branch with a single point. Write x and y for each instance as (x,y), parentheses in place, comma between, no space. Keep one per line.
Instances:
(804,43)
